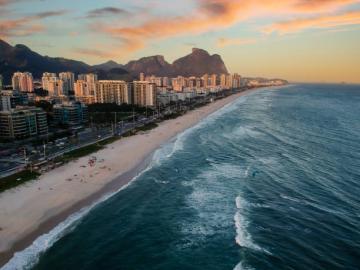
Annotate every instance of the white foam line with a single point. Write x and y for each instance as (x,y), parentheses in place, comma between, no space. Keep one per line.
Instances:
(30,256)
(243,237)
(240,266)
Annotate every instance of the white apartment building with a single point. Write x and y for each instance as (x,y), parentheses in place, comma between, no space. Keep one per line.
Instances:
(111,91)
(23,81)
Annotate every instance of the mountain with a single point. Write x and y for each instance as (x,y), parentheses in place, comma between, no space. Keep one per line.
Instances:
(21,58)
(152,65)
(198,63)
(114,74)
(107,66)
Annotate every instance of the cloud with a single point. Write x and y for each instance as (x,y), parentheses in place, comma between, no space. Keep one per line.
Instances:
(4,2)
(46,14)
(223,42)
(20,27)
(94,53)
(212,15)
(321,5)
(27,25)
(292,26)
(100,12)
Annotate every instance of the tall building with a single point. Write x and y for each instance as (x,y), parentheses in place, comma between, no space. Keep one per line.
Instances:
(47,79)
(53,84)
(156,80)
(199,83)
(223,80)
(213,80)
(205,80)
(191,82)
(144,93)
(22,123)
(82,92)
(226,81)
(5,101)
(142,76)
(81,88)
(82,77)
(68,79)
(179,83)
(91,80)
(10,99)
(112,92)
(236,81)
(165,81)
(23,81)
(70,113)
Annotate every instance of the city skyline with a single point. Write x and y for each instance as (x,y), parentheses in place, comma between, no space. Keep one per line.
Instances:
(310,41)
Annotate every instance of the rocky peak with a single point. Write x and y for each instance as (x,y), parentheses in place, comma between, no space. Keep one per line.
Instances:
(198,63)
(22,47)
(199,51)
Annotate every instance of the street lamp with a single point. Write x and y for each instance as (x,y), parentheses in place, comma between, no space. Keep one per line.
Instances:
(44,146)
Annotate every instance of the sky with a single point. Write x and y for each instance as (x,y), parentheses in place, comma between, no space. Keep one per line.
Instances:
(298,40)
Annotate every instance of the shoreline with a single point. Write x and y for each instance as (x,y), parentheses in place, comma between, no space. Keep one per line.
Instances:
(37,214)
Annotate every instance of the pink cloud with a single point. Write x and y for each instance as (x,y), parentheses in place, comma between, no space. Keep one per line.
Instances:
(322,21)
(223,42)
(213,15)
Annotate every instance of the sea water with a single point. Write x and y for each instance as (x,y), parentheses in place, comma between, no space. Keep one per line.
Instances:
(271,181)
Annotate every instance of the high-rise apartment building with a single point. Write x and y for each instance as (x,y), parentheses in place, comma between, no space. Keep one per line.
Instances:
(81,88)
(91,80)
(199,83)
(226,81)
(223,80)
(82,77)
(179,83)
(213,80)
(156,80)
(10,99)
(22,123)
(205,80)
(165,81)
(5,101)
(144,93)
(142,77)
(68,79)
(53,84)
(23,81)
(112,92)
(236,81)
(70,113)
(82,92)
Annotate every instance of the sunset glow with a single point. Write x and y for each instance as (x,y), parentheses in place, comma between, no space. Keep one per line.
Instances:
(298,40)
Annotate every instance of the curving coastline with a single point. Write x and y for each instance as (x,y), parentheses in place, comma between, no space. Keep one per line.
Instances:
(37,207)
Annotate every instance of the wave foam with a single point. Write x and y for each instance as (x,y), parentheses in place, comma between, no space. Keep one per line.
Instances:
(29,257)
(242,204)
(241,266)
(243,237)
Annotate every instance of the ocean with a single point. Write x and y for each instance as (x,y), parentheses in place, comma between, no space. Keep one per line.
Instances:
(270,181)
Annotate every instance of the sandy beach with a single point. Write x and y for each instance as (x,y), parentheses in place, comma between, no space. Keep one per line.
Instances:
(36,207)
